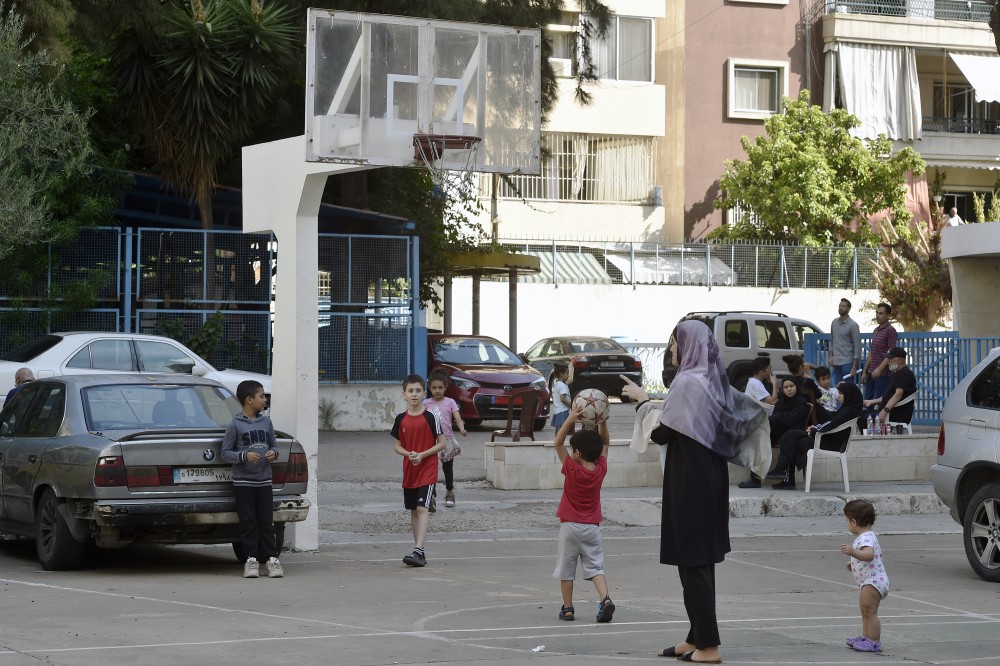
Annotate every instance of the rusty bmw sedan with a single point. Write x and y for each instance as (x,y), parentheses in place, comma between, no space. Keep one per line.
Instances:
(115,460)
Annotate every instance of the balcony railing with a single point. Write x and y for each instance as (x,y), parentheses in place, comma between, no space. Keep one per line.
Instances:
(961,125)
(942,10)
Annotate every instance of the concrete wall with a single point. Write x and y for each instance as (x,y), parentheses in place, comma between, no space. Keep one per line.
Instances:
(534,465)
(647,313)
(973,254)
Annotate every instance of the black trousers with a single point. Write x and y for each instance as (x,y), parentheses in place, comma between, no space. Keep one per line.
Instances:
(255,508)
(449,473)
(699,602)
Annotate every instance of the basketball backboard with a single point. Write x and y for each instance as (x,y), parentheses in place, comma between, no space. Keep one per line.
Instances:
(375,82)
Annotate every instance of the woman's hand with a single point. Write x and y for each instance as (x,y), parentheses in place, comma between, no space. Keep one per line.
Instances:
(633,391)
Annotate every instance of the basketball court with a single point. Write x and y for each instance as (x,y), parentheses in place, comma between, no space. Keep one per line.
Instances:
(488,599)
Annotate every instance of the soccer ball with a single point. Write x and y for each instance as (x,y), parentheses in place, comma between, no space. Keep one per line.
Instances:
(594,405)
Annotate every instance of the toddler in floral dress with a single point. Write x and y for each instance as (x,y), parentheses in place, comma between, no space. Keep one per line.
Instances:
(869,572)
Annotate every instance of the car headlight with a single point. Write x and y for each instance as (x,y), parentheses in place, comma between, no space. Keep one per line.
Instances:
(538,384)
(464,384)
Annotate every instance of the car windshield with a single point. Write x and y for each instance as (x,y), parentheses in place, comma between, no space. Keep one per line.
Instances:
(143,406)
(596,345)
(474,351)
(30,350)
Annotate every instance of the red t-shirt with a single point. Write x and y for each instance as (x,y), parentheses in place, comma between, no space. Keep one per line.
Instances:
(418,433)
(581,498)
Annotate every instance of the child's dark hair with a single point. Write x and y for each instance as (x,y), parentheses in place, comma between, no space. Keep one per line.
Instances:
(413,379)
(589,443)
(247,389)
(760,363)
(795,363)
(437,375)
(860,511)
(557,369)
(822,371)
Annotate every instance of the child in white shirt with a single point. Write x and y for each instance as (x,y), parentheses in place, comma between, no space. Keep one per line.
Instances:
(561,400)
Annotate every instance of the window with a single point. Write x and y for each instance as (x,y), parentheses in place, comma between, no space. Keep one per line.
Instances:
(46,414)
(958,111)
(756,88)
(737,334)
(104,355)
(626,53)
(163,357)
(985,389)
(772,335)
(801,330)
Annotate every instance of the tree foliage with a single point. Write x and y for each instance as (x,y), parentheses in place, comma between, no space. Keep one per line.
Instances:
(809,181)
(44,142)
(912,276)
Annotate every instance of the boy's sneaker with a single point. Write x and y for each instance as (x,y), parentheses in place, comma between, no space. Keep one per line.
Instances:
(867,645)
(605,610)
(415,559)
(274,569)
(251,569)
(449,499)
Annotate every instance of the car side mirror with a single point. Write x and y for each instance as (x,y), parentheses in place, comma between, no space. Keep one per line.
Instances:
(198,370)
(523,357)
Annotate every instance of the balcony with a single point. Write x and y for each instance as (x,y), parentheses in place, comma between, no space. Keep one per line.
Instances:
(942,10)
(961,125)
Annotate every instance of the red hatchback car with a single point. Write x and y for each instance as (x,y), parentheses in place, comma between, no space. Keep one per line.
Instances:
(484,374)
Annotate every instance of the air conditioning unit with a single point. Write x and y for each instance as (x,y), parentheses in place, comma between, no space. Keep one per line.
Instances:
(562,66)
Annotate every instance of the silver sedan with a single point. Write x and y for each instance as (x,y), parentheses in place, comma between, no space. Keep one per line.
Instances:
(112,460)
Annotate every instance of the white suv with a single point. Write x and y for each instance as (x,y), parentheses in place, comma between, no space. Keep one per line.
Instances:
(967,474)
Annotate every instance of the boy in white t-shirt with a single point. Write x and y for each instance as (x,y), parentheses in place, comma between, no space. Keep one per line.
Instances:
(561,399)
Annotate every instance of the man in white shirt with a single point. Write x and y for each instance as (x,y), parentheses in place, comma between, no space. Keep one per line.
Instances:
(953,219)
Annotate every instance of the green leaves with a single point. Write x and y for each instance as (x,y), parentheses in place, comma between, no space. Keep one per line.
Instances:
(809,181)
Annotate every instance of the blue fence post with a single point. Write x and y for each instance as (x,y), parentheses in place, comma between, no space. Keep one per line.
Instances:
(418,339)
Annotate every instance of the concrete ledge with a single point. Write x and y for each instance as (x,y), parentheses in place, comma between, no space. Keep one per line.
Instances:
(528,465)
(889,458)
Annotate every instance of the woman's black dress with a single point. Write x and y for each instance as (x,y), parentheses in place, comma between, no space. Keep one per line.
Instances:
(695,523)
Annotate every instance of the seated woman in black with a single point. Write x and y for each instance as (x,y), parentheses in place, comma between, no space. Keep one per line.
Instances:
(799,368)
(791,411)
(795,443)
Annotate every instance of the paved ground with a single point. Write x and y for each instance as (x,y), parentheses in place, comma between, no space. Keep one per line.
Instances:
(487,596)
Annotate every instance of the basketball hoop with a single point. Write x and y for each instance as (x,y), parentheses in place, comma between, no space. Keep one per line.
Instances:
(457,150)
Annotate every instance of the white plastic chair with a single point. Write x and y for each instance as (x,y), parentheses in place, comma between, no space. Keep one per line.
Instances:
(842,455)
(905,401)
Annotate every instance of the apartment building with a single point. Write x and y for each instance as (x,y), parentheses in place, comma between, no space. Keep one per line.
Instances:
(600,178)
(926,73)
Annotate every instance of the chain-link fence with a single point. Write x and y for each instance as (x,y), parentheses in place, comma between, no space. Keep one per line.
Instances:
(717,264)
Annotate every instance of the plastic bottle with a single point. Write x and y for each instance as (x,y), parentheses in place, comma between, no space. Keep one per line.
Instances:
(871,426)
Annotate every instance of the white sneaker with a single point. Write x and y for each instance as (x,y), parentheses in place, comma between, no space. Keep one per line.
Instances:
(251,569)
(274,569)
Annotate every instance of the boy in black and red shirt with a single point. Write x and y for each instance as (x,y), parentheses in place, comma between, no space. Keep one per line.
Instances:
(417,437)
(579,513)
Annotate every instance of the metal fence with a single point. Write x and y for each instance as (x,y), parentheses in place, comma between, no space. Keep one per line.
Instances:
(939,361)
(716,264)
(942,10)
(172,282)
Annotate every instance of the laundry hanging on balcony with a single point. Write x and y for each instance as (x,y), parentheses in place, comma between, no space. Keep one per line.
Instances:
(879,85)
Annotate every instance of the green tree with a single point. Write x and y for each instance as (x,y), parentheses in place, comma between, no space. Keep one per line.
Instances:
(44,142)
(808,180)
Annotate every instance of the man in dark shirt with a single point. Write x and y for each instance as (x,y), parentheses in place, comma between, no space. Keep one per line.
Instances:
(902,384)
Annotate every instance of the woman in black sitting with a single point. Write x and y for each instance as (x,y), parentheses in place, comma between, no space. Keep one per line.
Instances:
(791,411)
(795,443)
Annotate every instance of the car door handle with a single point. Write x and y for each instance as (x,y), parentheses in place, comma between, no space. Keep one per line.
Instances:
(32,459)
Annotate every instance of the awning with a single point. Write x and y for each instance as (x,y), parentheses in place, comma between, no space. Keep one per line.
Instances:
(672,268)
(570,268)
(983,72)
(963,164)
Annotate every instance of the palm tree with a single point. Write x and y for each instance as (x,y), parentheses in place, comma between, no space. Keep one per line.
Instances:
(199,80)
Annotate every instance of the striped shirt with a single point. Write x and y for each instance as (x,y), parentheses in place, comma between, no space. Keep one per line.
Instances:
(883,339)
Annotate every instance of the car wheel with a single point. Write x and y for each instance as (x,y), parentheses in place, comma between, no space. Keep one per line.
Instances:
(279,538)
(981,532)
(57,549)
(539,424)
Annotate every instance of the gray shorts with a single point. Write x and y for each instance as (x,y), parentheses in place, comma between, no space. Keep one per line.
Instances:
(583,542)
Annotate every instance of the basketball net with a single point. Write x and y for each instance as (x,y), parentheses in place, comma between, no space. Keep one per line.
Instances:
(463,150)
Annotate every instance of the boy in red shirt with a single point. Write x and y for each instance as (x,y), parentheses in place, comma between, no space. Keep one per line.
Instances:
(417,437)
(579,513)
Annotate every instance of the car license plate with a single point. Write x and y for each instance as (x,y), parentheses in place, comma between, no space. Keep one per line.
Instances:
(504,399)
(613,364)
(203,474)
